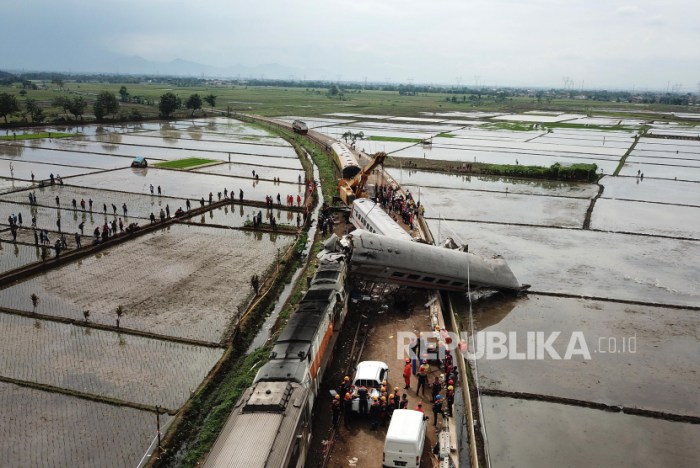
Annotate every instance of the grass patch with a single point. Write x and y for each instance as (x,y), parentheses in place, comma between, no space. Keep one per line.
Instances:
(398,139)
(447,135)
(184,163)
(36,136)
(587,127)
(574,172)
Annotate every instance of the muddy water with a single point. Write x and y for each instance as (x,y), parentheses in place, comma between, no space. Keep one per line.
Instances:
(660,170)
(264,172)
(139,206)
(638,356)
(24,170)
(532,433)
(237,215)
(102,362)
(38,426)
(504,207)
(77,158)
(15,255)
(641,217)
(185,184)
(656,190)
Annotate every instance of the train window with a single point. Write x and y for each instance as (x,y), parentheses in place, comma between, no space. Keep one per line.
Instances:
(428,279)
(443,281)
(396,274)
(413,277)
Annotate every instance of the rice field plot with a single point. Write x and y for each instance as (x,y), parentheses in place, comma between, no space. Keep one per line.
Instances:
(126,367)
(337,132)
(13,256)
(185,184)
(204,147)
(236,216)
(139,205)
(575,148)
(495,134)
(197,133)
(8,185)
(49,429)
(647,218)
(537,118)
(23,170)
(264,172)
(660,346)
(503,207)
(521,433)
(79,158)
(415,179)
(659,170)
(186,281)
(596,141)
(406,127)
(587,263)
(389,147)
(224,125)
(652,190)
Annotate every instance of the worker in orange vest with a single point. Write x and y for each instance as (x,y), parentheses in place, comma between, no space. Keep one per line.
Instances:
(407,373)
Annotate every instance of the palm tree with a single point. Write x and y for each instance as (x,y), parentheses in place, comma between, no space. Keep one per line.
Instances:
(35,302)
(120,312)
(86,314)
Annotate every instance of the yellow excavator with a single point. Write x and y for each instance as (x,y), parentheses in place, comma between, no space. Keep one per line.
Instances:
(350,189)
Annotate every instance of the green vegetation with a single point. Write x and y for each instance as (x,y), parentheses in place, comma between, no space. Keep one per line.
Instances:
(184,163)
(574,172)
(447,135)
(36,136)
(526,126)
(143,99)
(397,139)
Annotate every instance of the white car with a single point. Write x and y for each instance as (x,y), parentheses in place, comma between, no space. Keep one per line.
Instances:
(371,374)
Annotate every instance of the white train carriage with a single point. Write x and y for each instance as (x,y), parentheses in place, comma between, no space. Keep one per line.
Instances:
(346,160)
(425,266)
(366,214)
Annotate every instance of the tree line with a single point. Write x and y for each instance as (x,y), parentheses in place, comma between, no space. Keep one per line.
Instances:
(105,104)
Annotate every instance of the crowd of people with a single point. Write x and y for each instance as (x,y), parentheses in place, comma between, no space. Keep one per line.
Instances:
(379,406)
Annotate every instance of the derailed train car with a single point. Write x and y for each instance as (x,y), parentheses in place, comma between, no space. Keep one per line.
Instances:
(346,160)
(270,426)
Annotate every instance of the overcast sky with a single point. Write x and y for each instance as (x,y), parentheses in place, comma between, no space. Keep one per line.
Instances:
(594,43)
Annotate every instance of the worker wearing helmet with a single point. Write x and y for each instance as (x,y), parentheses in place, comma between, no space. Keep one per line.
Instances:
(407,373)
(374,412)
(437,409)
(335,409)
(450,399)
(347,410)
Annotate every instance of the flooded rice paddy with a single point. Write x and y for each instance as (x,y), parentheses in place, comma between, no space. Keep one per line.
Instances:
(178,287)
(49,429)
(536,433)
(189,282)
(129,368)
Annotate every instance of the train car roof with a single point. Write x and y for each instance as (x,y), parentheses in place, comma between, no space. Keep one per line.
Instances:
(281,370)
(260,430)
(302,325)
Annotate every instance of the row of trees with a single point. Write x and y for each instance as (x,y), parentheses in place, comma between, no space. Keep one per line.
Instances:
(106,103)
(169,103)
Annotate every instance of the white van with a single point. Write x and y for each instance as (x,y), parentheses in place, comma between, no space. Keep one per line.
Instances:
(403,445)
